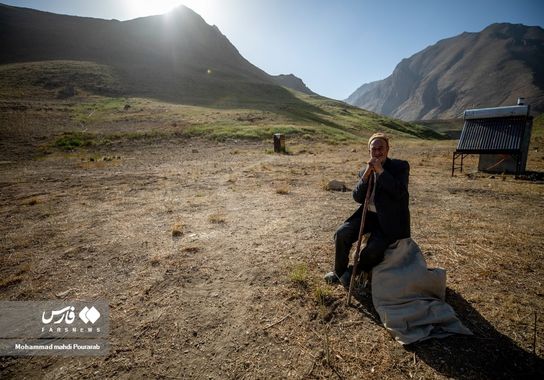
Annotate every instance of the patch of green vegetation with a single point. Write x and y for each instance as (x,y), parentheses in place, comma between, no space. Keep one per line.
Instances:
(299,275)
(265,132)
(75,140)
(322,294)
(248,132)
(138,135)
(71,141)
(101,109)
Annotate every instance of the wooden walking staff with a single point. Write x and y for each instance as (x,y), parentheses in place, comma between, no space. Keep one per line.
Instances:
(359,241)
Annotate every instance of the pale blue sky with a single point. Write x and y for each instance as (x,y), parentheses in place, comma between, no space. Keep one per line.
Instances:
(333,46)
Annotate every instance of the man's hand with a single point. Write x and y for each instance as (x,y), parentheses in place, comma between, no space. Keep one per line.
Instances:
(368,171)
(374,165)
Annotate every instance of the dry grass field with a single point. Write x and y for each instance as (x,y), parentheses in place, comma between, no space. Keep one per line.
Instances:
(211,255)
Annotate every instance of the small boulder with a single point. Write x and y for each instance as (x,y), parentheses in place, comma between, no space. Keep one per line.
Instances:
(335,185)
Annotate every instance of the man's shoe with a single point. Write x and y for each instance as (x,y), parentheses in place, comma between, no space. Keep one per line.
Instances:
(331,278)
(346,278)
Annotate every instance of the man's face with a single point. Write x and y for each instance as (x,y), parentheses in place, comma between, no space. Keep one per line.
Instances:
(378,149)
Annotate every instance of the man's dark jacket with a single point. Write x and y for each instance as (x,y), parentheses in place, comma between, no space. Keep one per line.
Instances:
(391,199)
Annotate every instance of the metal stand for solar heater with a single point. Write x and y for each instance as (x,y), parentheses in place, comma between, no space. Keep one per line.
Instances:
(455,156)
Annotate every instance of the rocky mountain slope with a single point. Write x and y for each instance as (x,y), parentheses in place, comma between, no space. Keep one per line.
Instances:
(176,56)
(490,68)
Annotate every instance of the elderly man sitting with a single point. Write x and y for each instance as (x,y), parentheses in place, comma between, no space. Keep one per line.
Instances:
(388,217)
(409,297)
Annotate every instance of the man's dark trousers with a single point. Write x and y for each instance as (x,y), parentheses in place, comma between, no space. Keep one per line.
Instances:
(348,233)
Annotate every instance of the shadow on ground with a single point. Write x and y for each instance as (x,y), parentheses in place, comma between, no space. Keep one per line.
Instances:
(532,176)
(365,305)
(486,355)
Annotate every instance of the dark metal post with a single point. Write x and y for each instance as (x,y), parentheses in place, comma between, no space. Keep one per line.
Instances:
(453,164)
(279,143)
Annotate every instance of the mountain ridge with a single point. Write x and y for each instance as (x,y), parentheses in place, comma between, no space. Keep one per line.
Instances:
(179,50)
(480,69)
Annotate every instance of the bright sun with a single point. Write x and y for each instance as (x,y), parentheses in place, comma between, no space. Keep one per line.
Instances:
(142,8)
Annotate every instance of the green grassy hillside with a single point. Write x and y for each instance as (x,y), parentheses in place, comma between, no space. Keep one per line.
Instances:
(88,99)
(449,127)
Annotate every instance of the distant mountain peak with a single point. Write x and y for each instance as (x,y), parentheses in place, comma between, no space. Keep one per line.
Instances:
(182,11)
(489,68)
(176,54)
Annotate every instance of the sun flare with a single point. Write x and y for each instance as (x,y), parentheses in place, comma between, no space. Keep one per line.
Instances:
(141,8)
